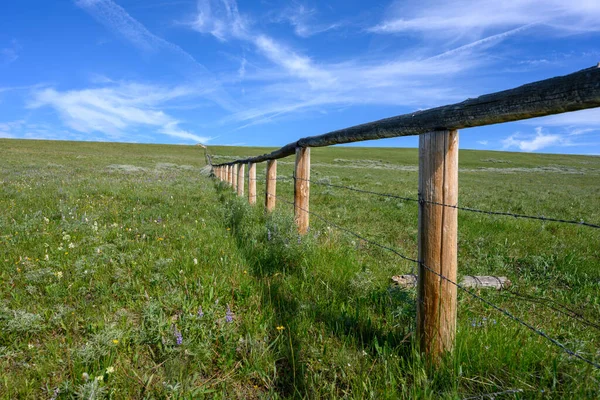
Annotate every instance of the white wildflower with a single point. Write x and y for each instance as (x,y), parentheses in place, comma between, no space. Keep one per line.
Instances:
(195,261)
(71,245)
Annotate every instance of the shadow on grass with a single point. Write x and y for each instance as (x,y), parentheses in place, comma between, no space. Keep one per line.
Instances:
(273,252)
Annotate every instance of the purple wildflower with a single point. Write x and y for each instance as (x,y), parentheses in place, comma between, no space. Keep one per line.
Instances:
(178,336)
(229,314)
(200,312)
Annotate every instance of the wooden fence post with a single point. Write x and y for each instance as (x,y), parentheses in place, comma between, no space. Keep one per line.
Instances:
(234,182)
(229,174)
(436,297)
(240,179)
(271,190)
(302,188)
(252,183)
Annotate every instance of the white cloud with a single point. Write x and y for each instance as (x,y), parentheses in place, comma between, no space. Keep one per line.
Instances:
(117,110)
(535,142)
(302,19)
(476,17)
(482,142)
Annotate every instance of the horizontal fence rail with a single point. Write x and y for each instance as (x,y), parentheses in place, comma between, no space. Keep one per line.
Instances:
(577,91)
(438,188)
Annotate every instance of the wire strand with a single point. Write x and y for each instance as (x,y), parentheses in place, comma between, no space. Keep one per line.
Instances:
(458,285)
(470,209)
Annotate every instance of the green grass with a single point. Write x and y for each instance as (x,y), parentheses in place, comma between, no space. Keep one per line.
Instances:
(108,251)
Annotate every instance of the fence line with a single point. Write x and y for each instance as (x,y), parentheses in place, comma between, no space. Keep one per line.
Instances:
(458,285)
(462,208)
(438,184)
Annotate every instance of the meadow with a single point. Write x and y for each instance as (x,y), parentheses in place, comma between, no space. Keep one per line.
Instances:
(126,271)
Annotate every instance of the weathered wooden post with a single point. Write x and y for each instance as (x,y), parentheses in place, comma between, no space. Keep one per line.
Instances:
(436,298)
(241,179)
(271,190)
(302,188)
(234,177)
(252,183)
(229,175)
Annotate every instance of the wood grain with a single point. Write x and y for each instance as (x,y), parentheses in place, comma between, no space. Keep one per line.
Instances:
(438,182)
(271,185)
(302,189)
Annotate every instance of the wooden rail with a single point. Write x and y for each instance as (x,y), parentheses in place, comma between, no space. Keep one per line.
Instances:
(438,179)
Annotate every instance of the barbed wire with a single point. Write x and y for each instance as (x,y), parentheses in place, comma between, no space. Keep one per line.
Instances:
(458,285)
(470,209)
(558,307)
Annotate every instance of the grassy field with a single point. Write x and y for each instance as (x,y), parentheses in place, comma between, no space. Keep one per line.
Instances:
(128,273)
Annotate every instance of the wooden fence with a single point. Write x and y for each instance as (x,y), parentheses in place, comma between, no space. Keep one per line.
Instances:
(438,180)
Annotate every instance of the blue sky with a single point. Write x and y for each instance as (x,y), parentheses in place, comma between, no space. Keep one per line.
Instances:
(269,72)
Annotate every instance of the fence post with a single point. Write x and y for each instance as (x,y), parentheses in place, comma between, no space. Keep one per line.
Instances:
(234,173)
(240,179)
(271,190)
(252,183)
(228,174)
(436,298)
(302,188)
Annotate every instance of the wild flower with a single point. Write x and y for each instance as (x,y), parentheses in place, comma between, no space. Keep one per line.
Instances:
(58,274)
(85,376)
(178,336)
(115,341)
(195,261)
(71,245)
(280,328)
(229,315)
(200,312)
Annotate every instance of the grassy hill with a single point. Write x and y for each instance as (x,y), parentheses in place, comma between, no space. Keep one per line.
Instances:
(127,273)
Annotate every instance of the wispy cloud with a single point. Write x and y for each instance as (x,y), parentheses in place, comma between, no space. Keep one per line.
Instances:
(582,119)
(117,110)
(304,20)
(116,19)
(296,82)
(10,53)
(478,17)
